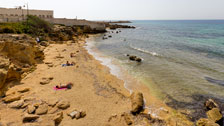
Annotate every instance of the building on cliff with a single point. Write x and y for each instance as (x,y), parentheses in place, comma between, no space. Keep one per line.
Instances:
(19,14)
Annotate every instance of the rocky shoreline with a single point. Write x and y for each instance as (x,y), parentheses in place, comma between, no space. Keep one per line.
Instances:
(30,71)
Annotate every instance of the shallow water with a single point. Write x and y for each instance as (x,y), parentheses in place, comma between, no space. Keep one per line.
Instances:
(185,59)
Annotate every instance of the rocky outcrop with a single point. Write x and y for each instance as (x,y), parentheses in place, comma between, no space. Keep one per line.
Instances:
(137,102)
(18,53)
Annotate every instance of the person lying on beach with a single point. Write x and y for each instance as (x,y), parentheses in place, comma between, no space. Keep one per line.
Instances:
(66,86)
(68,64)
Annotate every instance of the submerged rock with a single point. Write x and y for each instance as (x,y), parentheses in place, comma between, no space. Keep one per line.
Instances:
(138,59)
(132,58)
(137,102)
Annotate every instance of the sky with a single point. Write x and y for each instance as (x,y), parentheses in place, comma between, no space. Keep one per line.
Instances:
(127,9)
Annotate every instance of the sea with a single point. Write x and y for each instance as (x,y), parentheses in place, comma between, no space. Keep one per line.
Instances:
(183,60)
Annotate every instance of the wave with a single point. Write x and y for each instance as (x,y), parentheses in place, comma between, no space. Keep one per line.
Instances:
(145,51)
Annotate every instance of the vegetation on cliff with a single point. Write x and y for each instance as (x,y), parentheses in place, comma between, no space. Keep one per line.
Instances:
(33,25)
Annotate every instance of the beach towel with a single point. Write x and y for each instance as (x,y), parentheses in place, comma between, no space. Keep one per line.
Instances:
(55,88)
(64,65)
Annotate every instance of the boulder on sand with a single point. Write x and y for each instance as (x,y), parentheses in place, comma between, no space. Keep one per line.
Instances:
(12,98)
(215,115)
(16,104)
(206,122)
(30,118)
(127,118)
(137,102)
(58,118)
(63,104)
(31,109)
(42,109)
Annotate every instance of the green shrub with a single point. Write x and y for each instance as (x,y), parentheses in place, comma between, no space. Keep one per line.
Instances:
(37,26)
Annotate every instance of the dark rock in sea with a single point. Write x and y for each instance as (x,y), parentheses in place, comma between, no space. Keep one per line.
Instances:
(110,36)
(138,59)
(132,58)
(127,55)
(210,104)
(117,32)
(137,102)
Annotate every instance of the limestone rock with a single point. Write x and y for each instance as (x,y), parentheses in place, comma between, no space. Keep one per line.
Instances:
(30,118)
(23,89)
(73,114)
(42,109)
(63,104)
(44,43)
(16,104)
(215,115)
(77,114)
(127,118)
(206,122)
(31,109)
(83,114)
(12,98)
(53,110)
(137,102)
(45,81)
(58,118)
(52,102)
(210,104)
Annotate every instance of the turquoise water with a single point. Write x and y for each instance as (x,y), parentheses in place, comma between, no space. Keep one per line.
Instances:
(185,59)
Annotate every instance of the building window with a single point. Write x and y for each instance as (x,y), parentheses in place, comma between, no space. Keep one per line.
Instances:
(16,14)
(11,15)
(43,16)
